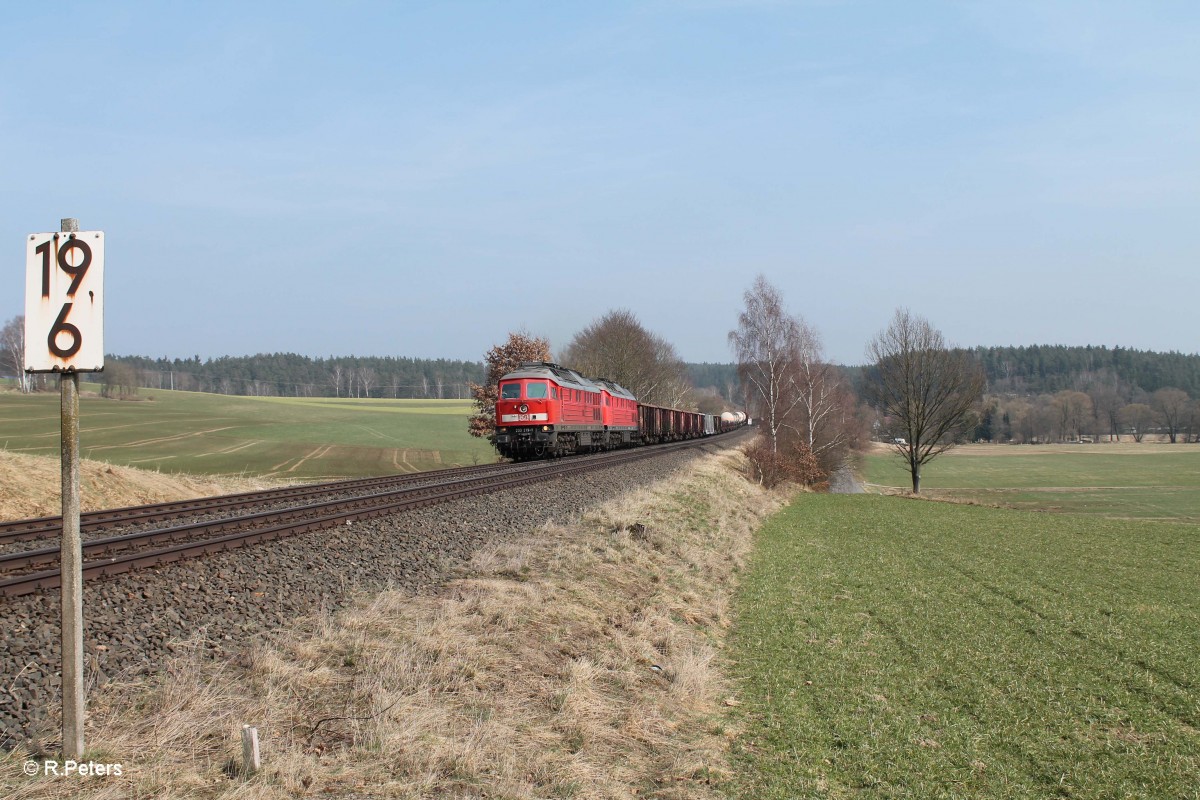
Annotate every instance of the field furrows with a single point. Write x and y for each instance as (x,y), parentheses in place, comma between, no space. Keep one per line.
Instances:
(922,645)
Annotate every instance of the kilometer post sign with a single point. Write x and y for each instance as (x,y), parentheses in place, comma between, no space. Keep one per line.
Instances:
(64,302)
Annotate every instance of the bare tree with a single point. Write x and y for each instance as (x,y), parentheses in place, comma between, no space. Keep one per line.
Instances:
(501,360)
(1172,406)
(824,417)
(1138,417)
(766,344)
(12,351)
(618,347)
(335,379)
(928,389)
(1030,418)
(1107,401)
(1018,412)
(119,381)
(367,379)
(1074,409)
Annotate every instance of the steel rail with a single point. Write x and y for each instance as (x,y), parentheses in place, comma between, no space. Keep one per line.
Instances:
(45,527)
(284,522)
(47,555)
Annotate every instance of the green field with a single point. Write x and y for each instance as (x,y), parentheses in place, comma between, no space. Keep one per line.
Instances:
(891,648)
(288,438)
(1151,481)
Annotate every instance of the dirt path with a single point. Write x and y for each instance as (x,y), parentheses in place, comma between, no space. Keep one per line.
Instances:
(844,481)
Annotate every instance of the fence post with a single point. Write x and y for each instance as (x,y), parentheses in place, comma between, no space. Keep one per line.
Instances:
(71,561)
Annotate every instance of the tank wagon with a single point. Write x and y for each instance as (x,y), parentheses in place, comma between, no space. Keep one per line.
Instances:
(545,410)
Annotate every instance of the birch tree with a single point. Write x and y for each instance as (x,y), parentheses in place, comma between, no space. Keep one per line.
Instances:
(766,344)
(12,351)
(367,378)
(824,414)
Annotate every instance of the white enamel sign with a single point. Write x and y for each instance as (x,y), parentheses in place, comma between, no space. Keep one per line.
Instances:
(64,302)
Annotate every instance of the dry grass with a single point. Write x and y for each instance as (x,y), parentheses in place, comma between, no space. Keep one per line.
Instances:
(579,662)
(30,486)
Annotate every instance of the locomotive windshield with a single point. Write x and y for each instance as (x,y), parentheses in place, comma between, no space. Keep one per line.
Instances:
(535,390)
(510,391)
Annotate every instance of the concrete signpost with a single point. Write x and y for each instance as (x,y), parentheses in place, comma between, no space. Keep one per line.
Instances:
(64,333)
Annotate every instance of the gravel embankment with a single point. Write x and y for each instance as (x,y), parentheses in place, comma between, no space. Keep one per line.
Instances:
(132,622)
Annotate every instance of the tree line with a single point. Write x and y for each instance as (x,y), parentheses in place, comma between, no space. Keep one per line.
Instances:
(1046,369)
(264,374)
(1100,410)
(293,375)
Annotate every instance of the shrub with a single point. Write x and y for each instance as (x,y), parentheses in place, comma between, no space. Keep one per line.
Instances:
(793,462)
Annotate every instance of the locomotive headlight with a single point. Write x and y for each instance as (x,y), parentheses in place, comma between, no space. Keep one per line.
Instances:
(545,427)
(524,409)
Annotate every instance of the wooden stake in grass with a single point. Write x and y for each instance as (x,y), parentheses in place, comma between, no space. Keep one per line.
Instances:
(251,761)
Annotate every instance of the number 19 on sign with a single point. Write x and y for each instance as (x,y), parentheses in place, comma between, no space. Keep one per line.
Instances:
(64,302)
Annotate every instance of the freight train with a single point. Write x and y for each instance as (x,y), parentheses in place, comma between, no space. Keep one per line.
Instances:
(544,410)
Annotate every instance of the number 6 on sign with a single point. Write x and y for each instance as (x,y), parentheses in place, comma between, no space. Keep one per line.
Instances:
(64,302)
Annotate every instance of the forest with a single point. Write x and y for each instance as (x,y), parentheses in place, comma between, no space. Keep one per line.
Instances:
(1040,369)
(292,375)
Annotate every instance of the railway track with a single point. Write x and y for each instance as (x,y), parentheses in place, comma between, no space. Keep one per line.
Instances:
(51,527)
(32,570)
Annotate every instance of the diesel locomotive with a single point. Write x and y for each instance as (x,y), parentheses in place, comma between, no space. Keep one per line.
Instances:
(545,410)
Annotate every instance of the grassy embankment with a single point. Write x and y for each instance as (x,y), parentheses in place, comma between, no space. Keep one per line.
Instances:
(580,660)
(292,439)
(888,647)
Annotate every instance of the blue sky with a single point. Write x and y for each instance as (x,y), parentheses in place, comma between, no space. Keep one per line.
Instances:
(418,179)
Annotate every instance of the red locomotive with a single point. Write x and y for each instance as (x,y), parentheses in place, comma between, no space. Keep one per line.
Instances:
(545,410)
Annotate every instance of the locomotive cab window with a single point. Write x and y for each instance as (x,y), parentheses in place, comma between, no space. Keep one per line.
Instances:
(510,391)
(535,390)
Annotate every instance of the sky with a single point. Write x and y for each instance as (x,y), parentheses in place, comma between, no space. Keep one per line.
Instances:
(419,179)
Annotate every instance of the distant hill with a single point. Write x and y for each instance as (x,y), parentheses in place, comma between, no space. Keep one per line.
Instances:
(1044,369)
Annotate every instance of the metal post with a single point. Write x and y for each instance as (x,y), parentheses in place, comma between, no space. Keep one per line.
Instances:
(71,563)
